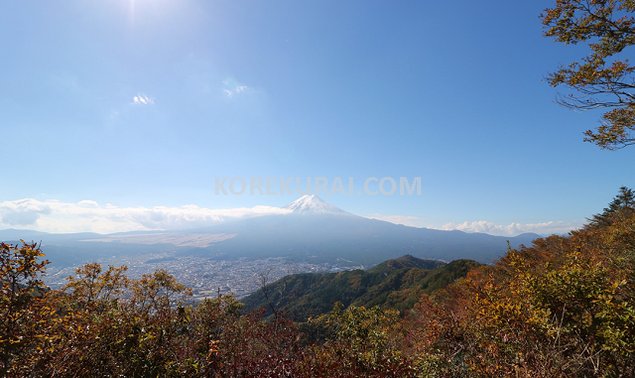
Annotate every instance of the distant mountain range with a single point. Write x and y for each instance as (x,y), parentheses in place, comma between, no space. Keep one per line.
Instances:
(397,283)
(310,229)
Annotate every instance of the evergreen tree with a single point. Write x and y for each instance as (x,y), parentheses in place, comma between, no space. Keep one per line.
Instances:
(623,203)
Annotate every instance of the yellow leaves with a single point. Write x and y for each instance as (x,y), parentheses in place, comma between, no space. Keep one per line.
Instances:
(607,27)
(545,307)
(561,297)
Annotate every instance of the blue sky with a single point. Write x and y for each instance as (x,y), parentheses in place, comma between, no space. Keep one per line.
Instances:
(140,104)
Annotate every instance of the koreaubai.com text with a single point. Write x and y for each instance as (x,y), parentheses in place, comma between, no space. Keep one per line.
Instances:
(372,186)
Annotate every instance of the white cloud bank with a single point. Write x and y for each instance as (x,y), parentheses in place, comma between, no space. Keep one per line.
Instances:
(511,229)
(90,216)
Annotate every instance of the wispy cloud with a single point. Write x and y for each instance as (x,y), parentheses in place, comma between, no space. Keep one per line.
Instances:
(87,215)
(142,99)
(232,88)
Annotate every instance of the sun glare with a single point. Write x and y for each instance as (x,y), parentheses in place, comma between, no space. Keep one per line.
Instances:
(138,9)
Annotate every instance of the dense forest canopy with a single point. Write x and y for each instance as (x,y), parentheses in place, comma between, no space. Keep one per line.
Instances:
(562,307)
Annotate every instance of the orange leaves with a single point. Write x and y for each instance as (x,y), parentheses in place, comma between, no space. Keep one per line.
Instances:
(23,308)
(565,306)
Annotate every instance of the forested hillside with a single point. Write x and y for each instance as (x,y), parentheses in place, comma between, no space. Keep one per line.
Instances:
(397,284)
(562,307)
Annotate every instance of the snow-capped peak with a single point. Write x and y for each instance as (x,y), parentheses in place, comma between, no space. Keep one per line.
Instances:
(312,204)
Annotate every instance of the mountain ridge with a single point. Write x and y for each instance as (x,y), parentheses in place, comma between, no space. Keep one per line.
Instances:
(395,283)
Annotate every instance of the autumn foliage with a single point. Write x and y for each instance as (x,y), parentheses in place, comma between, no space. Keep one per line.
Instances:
(603,79)
(562,307)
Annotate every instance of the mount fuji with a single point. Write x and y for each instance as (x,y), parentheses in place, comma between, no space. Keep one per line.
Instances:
(308,229)
(312,204)
(318,231)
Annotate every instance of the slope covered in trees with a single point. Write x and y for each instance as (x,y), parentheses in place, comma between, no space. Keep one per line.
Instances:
(396,284)
(564,307)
